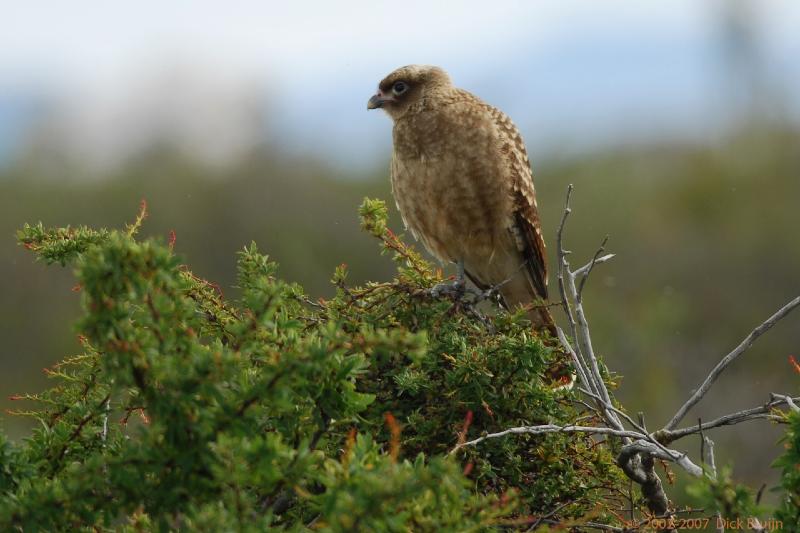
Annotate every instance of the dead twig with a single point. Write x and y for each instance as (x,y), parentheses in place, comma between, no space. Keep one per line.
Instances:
(730,358)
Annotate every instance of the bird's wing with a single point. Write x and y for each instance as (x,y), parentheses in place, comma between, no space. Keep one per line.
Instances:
(525,226)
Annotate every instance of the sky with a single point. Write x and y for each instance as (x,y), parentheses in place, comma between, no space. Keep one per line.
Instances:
(106,78)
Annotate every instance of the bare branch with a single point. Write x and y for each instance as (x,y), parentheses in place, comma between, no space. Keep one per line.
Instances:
(590,267)
(727,420)
(563,271)
(584,377)
(640,446)
(653,450)
(550,428)
(594,262)
(643,442)
(788,400)
(755,413)
(104,434)
(589,379)
(584,339)
(584,353)
(548,515)
(728,359)
(567,211)
(591,525)
(638,427)
(639,465)
(708,458)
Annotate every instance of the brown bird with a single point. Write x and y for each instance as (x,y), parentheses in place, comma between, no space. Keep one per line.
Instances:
(464,187)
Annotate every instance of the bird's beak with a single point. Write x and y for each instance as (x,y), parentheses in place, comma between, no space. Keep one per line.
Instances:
(377,101)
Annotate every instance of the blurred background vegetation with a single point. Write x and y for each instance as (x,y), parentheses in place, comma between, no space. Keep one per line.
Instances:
(691,165)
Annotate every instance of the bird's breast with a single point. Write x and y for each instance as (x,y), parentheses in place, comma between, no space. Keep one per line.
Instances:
(450,189)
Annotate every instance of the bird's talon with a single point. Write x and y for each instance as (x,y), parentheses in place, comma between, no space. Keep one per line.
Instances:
(456,289)
(487,294)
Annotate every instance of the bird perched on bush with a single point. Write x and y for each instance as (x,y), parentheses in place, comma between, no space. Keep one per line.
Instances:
(463,184)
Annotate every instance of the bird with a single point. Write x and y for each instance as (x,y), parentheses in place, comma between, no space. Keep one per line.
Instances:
(463,184)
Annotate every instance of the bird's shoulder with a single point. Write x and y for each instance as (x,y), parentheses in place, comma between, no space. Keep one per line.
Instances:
(508,132)
(461,109)
(463,102)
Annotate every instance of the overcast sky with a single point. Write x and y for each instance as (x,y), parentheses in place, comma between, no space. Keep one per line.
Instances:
(569,72)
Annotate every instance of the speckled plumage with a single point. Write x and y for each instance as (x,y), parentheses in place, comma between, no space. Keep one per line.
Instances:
(463,184)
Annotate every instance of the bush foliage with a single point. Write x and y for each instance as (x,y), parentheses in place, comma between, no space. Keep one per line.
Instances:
(187,410)
(789,463)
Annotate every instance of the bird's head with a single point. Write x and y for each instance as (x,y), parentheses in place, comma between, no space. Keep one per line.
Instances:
(407,86)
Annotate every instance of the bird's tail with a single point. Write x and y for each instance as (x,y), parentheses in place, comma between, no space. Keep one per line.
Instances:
(542,320)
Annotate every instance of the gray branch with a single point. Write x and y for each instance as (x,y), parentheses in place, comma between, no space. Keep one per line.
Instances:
(762,412)
(584,357)
(588,267)
(550,428)
(788,400)
(641,443)
(647,447)
(711,462)
(728,359)
(636,462)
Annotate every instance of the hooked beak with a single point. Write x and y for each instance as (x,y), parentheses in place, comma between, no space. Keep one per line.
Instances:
(377,101)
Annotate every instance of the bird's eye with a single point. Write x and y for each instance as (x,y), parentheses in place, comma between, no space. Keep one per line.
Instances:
(399,87)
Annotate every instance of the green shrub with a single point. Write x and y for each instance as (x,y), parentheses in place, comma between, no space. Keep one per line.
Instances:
(187,410)
(789,463)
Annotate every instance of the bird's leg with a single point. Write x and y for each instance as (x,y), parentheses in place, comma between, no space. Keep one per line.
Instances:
(455,288)
(461,276)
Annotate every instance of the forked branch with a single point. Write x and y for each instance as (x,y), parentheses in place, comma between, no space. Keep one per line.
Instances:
(730,358)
